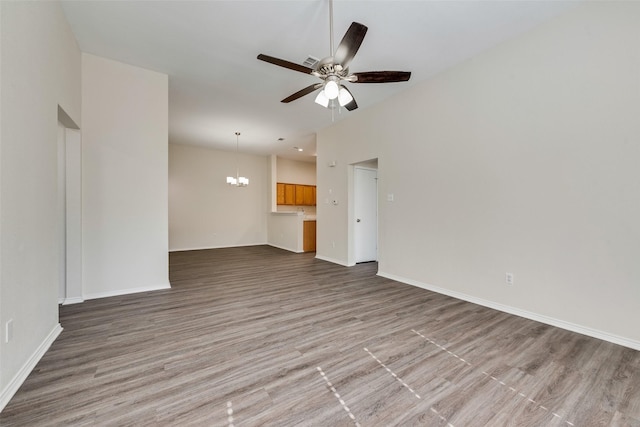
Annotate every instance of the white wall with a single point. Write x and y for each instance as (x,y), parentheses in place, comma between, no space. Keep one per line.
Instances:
(124,172)
(286,231)
(296,172)
(40,71)
(524,159)
(205,212)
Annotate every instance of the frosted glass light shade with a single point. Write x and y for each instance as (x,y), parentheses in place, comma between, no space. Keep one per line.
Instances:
(344,97)
(240,181)
(322,99)
(331,89)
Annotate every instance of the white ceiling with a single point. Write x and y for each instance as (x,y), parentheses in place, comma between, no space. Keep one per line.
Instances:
(218,87)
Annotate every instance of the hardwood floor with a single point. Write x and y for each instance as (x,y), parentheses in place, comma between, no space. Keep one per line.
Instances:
(257,336)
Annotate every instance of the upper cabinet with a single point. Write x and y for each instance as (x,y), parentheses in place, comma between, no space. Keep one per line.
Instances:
(300,195)
(296,194)
(280,194)
(309,197)
(286,194)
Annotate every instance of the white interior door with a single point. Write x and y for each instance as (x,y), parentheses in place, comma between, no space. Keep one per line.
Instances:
(366,214)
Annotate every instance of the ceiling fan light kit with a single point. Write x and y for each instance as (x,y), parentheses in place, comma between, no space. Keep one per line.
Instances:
(333,70)
(344,96)
(322,99)
(331,88)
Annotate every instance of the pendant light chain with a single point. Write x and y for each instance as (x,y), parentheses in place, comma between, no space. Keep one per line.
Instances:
(237,160)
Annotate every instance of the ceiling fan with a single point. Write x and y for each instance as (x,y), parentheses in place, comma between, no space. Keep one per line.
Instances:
(334,70)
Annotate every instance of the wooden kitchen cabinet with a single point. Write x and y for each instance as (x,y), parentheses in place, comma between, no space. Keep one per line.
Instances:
(309,236)
(280,193)
(300,195)
(288,194)
(309,200)
(295,194)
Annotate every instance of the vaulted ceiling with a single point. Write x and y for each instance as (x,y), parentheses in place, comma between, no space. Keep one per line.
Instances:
(218,87)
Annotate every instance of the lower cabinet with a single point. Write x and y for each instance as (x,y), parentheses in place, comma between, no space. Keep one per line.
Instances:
(309,236)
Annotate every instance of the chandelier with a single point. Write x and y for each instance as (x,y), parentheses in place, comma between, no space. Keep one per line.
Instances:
(237,181)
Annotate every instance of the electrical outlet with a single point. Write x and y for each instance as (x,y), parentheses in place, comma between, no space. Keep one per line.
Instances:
(8,331)
(509,278)
(333,244)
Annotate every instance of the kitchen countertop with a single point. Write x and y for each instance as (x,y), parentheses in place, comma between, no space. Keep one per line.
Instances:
(306,217)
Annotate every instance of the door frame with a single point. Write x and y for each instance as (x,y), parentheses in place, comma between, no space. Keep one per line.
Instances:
(351,212)
(70,160)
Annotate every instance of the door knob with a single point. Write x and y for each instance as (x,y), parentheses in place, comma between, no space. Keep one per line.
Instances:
(358,220)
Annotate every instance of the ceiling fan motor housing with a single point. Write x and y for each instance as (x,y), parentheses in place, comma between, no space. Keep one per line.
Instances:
(326,67)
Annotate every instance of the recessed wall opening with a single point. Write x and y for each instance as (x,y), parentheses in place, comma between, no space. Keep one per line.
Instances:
(363,212)
(69,210)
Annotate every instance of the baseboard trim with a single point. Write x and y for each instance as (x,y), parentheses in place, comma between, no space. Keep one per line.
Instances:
(26,369)
(594,333)
(74,300)
(285,248)
(204,248)
(335,261)
(118,292)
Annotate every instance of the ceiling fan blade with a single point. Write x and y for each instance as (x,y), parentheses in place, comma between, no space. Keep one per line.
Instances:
(353,104)
(382,76)
(286,64)
(299,94)
(350,44)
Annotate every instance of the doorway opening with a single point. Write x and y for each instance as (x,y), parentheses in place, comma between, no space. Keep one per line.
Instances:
(69,210)
(365,211)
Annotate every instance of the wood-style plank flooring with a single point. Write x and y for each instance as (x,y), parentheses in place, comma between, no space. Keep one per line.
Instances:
(257,336)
